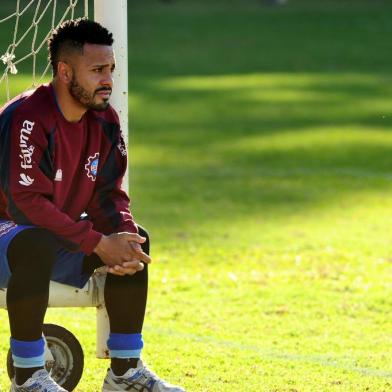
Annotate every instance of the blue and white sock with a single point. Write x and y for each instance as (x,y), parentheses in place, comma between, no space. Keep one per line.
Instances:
(28,354)
(125,345)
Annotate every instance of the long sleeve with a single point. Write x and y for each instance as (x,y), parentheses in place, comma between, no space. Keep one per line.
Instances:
(29,188)
(109,207)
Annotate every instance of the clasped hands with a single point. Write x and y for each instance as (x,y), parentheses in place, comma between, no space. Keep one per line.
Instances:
(122,253)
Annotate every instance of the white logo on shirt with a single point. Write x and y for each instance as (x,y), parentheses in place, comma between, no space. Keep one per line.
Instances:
(92,166)
(25,180)
(26,151)
(59,175)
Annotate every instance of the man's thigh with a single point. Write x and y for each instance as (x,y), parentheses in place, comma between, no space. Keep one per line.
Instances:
(68,266)
(8,231)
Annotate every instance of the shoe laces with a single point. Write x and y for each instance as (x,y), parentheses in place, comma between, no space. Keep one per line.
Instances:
(47,382)
(150,374)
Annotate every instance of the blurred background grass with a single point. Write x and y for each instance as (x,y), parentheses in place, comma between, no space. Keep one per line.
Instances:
(260,161)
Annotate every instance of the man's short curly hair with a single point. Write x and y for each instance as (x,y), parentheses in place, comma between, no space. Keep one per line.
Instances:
(71,35)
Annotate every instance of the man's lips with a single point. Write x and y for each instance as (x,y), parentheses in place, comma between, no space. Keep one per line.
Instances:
(104,93)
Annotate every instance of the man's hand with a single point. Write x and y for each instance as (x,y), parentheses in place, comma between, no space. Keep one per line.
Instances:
(127,268)
(120,248)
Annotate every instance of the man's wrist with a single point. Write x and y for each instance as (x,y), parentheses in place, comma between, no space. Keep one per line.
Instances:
(99,247)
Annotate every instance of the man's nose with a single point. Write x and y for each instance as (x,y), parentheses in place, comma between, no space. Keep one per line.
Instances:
(107,80)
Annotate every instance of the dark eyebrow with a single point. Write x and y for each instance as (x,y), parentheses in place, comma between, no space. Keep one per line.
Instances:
(101,65)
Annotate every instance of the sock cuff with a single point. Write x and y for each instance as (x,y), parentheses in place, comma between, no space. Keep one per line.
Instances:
(125,354)
(32,362)
(27,349)
(120,341)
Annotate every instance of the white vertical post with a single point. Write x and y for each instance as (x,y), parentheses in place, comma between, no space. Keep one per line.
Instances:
(103,328)
(113,15)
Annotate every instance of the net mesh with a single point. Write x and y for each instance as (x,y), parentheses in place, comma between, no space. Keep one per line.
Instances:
(25,30)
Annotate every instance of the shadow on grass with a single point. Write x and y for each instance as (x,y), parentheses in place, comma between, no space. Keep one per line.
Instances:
(192,38)
(258,145)
(244,112)
(233,106)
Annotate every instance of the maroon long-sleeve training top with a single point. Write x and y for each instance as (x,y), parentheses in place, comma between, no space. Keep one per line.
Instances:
(52,171)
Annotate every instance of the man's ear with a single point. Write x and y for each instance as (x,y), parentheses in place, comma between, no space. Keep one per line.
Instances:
(64,72)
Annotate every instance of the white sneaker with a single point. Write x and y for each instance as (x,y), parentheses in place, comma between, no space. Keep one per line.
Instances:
(140,379)
(40,381)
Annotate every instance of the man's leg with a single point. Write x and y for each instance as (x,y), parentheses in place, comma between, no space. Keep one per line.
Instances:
(31,256)
(126,299)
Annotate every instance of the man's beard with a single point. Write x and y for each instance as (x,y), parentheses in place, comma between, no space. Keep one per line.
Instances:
(85,98)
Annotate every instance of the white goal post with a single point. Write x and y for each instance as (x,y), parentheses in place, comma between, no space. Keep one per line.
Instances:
(113,15)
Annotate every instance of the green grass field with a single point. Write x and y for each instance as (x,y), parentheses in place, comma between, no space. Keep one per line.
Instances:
(261,163)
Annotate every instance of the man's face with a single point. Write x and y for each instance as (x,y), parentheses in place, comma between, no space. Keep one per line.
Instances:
(92,76)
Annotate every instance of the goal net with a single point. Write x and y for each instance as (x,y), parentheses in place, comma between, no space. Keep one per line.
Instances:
(25,29)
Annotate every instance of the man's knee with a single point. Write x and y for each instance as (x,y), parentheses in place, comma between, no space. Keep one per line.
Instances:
(33,248)
(144,233)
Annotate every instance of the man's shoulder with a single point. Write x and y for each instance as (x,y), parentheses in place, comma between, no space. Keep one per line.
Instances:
(31,103)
